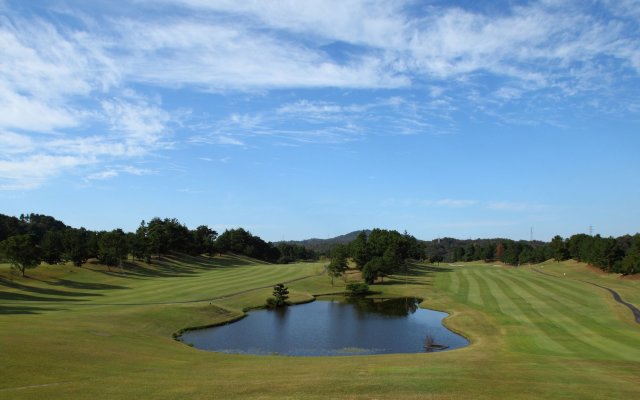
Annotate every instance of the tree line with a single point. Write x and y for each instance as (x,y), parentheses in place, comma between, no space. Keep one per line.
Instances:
(618,255)
(33,238)
(377,254)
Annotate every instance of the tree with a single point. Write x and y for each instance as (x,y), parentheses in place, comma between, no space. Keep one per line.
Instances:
(22,251)
(631,262)
(359,250)
(76,246)
(204,240)
(140,244)
(158,237)
(338,264)
(357,289)
(499,251)
(559,248)
(240,241)
(112,248)
(372,269)
(280,294)
(52,247)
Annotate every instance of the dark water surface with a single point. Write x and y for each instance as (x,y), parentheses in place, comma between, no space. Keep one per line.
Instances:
(331,328)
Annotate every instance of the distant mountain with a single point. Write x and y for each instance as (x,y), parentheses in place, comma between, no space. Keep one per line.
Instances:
(325,245)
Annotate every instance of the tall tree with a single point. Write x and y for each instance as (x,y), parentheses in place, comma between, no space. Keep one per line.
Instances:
(204,240)
(112,248)
(76,245)
(631,262)
(22,252)
(359,250)
(140,244)
(559,248)
(280,294)
(338,264)
(52,247)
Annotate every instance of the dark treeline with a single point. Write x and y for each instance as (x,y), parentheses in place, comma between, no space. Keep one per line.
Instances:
(377,254)
(33,238)
(619,255)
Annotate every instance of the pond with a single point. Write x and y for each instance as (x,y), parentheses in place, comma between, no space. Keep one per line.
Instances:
(332,327)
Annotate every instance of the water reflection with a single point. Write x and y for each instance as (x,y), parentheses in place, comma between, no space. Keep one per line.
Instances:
(396,307)
(331,327)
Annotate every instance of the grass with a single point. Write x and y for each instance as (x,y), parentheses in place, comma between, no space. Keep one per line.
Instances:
(69,332)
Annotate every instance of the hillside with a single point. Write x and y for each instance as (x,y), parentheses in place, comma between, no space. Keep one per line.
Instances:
(87,332)
(325,245)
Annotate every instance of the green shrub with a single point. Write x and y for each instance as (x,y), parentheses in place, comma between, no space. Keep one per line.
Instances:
(357,289)
(271,302)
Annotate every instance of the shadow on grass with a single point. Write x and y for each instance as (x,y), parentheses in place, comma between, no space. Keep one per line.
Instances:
(414,275)
(176,265)
(45,291)
(86,285)
(28,297)
(15,309)
(430,268)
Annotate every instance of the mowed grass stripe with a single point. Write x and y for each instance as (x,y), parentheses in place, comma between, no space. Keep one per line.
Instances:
(488,298)
(455,281)
(575,291)
(537,336)
(463,288)
(194,291)
(209,285)
(524,334)
(444,280)
(600,334)
(174,290)
(474,296)
(588,301)
(554,324)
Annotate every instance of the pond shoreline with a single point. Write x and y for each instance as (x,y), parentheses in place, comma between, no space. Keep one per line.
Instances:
(383,325)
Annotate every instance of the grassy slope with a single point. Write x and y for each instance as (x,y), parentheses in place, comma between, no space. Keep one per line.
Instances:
(104,335)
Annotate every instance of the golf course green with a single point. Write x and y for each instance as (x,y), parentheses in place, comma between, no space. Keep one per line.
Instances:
(540,331)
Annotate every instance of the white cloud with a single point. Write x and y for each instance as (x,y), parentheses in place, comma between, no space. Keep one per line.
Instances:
(219,56)
(12,143)
(102,175)
(72,81)
(229,140)
(32,114)
(139,124)
(453,203)
(130,169)
(32,171)
(113,172)
(514,206)
(446,203)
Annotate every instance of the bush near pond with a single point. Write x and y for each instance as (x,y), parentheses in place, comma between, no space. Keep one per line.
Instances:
(357,289)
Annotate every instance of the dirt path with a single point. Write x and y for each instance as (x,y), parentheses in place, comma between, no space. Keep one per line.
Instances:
(616,296)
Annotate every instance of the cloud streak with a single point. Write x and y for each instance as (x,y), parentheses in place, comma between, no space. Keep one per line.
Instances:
(86,89)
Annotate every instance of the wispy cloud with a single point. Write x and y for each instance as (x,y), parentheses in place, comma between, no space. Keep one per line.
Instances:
(114,171)
(66,84)
(431,203)
(514,206)
(32,171)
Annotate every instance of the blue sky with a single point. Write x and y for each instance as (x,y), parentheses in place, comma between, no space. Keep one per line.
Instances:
(299,119)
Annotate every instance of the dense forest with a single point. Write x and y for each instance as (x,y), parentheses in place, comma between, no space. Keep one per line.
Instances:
(619,255)
(31,239)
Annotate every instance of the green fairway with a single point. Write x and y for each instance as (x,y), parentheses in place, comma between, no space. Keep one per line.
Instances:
(69,332)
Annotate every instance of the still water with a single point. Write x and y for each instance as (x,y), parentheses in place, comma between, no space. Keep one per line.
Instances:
(332,327)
